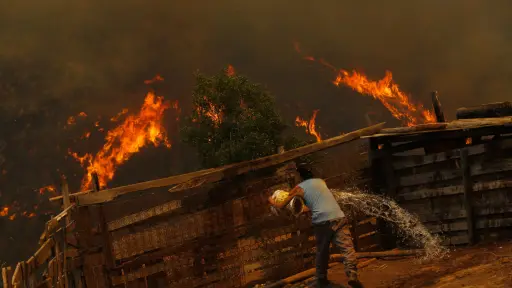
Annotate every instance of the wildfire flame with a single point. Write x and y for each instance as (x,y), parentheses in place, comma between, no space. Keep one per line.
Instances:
(157,78)
(230,71)
(384,90)
(49,188)
(126,139)
(212,111)
(116,118)
(309,125)
(6,212)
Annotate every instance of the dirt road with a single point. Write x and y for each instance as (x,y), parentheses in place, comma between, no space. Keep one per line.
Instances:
(487,265)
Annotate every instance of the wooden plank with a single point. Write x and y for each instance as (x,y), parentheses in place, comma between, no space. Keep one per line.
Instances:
(462,225)
(468,190)
(217,174)
(452,131)
(496,166)
(407,194)
(455,240)
(144,215)
(414,129)
(438,110)
(424,193)
(17,276)
(44,252)
(492,185)
(491,110)
(429,177)
(65,197)
(402,162)
(7,275)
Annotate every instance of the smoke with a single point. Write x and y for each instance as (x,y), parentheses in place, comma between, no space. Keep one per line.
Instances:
(58,58)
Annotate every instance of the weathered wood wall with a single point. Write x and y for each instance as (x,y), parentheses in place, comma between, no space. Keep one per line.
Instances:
(217,235)
(458,182)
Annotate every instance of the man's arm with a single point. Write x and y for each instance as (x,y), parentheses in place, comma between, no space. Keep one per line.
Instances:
(297,191)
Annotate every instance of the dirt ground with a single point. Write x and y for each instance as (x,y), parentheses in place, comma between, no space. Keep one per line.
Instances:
(487,265)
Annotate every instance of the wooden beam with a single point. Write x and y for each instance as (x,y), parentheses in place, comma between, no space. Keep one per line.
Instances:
(65,197)
(438,110)
(134,218)
(58,198)
(44,252)
(225,172)
(7,277)
(468,189)
(485,111)
(455,129)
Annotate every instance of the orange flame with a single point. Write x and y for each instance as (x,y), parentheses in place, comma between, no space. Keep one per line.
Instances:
(309,125)
(4,211)
(126,139)
(469,141)
(157,78)
(213,112)
(230,71)
(49,188)
(71,120)
(116,118)
(384,90)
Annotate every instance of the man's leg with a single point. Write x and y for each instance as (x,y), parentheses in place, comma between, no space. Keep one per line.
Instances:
(343,240)
(323,235)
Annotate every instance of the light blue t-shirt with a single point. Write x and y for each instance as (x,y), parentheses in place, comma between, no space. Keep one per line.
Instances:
(320,201)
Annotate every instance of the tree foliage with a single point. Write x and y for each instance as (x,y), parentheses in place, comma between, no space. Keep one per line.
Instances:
(233,120)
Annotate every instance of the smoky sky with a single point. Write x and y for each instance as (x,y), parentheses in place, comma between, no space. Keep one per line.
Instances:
(58,58)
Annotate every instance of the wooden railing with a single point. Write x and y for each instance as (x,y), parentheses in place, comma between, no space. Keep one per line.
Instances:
(55,260)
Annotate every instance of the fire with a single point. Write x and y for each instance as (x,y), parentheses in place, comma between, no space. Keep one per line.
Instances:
(469,141)
(4,212)
(384,90)
(116,118)
(125,140)
(213,112)
(230,71)
(72,119)
(86,135)
(157,78)
(309,125)
(49,188)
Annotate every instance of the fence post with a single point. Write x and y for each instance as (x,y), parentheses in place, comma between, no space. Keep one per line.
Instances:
(468,189)
(7,276)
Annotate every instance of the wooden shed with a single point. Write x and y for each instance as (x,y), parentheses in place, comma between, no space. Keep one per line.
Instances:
(456,176)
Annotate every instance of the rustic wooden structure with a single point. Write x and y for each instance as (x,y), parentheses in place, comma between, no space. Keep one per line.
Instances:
(209,228)
(456,176)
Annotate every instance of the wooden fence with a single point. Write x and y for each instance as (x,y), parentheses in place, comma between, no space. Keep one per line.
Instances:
(459,182)
(54,263)
(210,228)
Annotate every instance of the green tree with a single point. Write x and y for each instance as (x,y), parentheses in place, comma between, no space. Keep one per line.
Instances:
(233,120)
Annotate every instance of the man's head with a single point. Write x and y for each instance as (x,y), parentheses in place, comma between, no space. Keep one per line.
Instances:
(305,171)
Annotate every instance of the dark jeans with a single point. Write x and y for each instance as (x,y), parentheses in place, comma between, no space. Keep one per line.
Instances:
(338,233)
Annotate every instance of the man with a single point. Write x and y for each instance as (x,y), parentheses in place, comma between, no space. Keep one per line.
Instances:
(329,223)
